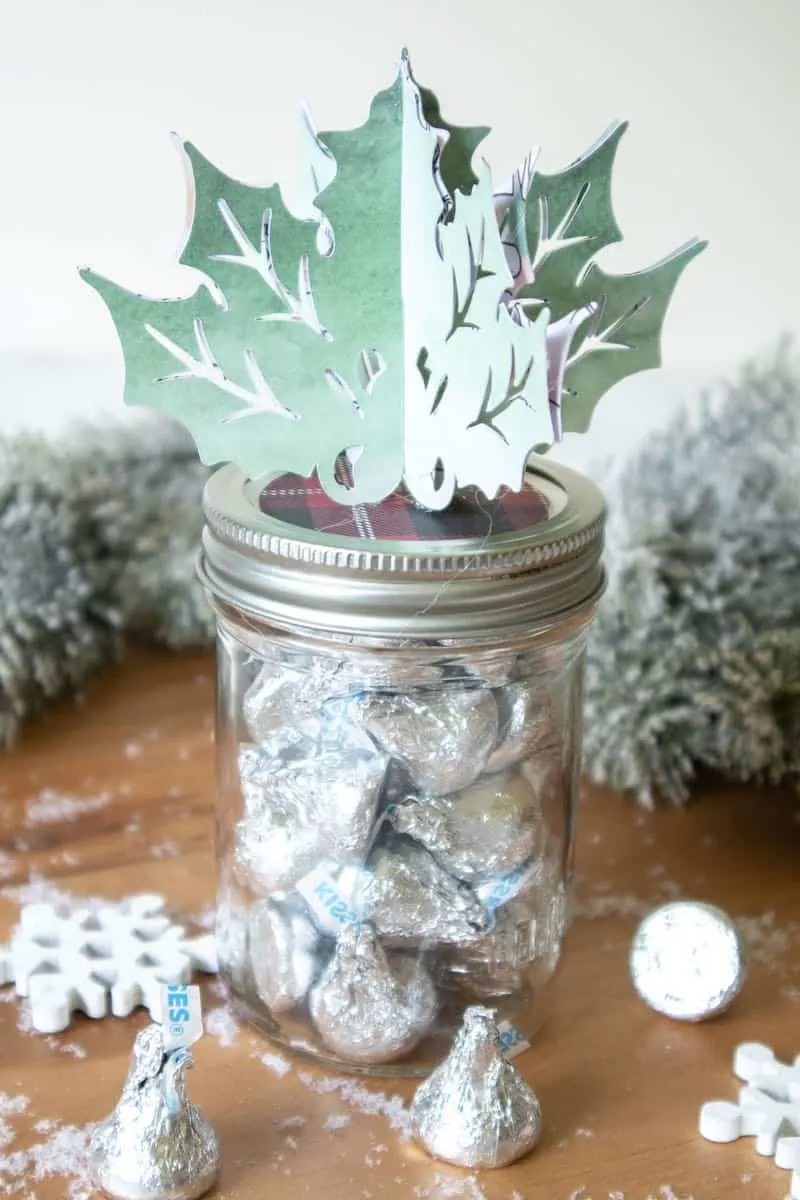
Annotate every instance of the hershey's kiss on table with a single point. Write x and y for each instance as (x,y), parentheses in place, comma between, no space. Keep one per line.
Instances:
(403,580)
(156,1145)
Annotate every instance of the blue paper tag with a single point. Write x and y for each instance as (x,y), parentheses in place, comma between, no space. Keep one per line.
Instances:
(496,892)
(512,1042)
(329,899)
(181,1015)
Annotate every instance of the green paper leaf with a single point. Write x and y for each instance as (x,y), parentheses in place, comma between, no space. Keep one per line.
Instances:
(375,329)
(568,218)
(483,404)
(624,333)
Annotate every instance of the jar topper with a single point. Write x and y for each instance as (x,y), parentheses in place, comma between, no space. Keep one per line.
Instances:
(409,326)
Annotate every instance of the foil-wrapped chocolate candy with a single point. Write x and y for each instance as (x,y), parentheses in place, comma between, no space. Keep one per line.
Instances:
(525,725)
(687,960)
(282,692)
(283,945)
(476,1110)
(411,899)
(369,1006)
(489,828)
(309,685)
(156,1145)
(443,737)
(319,800)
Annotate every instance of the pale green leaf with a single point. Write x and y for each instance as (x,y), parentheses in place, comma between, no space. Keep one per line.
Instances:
(623,335)
(568,218)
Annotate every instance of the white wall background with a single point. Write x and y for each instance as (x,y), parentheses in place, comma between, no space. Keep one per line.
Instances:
(90,90)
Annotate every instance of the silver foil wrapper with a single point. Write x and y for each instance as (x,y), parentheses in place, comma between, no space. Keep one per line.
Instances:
(369,1006)
(476,1110)
(283,946)
(289,692)
(155,1145)
(487,829)
(442,737)
(525,725)
(318,798)
(687,960)
(410,898)
(524,945)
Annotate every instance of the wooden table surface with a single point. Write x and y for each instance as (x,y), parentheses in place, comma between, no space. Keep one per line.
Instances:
(620,1086)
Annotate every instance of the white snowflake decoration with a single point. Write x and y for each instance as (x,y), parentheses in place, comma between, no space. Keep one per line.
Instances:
(768,1109)
(77,957)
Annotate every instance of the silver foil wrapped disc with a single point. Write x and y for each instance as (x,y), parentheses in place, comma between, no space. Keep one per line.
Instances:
(316,799)
(442,737)
(525,725)
(283,945)
(155,1145)
(368,1006)
(410,898)
(476,1110)
(487,829)
(687,960)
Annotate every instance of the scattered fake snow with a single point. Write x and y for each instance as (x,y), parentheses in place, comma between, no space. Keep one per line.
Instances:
(64,1152)
(12,1106)
(372,1104)
(448,1187)
(337,1121)
(51,806)
(276,1063)
(220,1023)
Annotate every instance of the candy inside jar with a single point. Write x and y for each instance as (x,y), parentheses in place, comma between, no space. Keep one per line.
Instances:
(386,875)
(397,773)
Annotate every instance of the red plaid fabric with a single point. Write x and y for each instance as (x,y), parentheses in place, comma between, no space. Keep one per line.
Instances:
(304,504)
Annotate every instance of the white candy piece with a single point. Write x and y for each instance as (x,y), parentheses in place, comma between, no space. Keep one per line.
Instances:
(66,959)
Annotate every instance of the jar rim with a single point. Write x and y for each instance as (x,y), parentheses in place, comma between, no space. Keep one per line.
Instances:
(426,589)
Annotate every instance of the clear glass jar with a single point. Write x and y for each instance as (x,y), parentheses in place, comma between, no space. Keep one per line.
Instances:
(398,755)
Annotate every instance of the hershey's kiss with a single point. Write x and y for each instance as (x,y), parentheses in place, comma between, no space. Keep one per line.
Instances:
(476,1110)
(525,725)
(283,694)
(318,800)
(155,1145)
(409,897)
(487,829)
(283,945)
(443,737)
(687,960)
(368,1006)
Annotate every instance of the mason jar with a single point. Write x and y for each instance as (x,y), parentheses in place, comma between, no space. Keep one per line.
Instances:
(398,749)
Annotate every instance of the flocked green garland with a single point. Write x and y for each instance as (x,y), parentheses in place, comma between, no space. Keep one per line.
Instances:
(694,659)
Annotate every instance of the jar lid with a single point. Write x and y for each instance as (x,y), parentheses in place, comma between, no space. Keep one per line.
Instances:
(287,554)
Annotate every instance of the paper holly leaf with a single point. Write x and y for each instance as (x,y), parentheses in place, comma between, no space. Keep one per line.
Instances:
(603,326)
(623,333)
(380,324)
(567,218)
(371,339)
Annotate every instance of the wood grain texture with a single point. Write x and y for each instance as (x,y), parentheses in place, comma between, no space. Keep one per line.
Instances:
(620,1087)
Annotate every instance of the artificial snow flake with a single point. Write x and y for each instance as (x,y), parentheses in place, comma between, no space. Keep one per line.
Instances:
(79,956)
